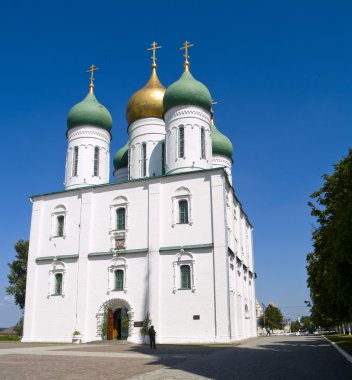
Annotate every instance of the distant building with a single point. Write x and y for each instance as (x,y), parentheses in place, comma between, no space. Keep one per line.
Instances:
(168,237)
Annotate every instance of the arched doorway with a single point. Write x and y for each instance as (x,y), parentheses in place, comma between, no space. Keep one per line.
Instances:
(117,317)
(118,323)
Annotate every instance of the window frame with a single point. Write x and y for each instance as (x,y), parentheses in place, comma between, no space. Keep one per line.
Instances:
(202,144)
(57,268)
(143,160)
(75,157)
(181,142)
(183,259)
(121,227)
(96,161)
(117,263)
(59,211)
(185,277)
(183,211)
(119,286)
(182,193)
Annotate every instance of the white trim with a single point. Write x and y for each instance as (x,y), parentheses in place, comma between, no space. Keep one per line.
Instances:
(115,264)
(56,267)
(182,193)
(183,258)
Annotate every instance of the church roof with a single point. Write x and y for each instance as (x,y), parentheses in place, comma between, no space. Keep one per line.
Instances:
(148,101)
(187,91)
(121,158)
(89,112)
(221,144)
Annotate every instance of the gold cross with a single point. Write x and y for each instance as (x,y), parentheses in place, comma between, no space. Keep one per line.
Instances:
(153,48)
(91,71)
(186,46)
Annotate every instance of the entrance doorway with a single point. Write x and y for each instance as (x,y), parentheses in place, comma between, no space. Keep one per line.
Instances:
(118,324)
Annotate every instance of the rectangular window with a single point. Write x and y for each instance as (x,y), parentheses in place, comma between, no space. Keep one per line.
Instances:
(58,283)
(181,142)
(121,219)
(202,142)
(96,162)
(119,276)
(163,158)
(183,211)
(60,225)
(185,277)
(144,160)
(75,162)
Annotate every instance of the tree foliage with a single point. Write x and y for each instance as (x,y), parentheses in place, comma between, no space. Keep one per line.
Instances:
(18,273)
(272,318)
(295,326)
(330,264)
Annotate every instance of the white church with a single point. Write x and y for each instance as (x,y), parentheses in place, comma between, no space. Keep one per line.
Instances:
(167,238)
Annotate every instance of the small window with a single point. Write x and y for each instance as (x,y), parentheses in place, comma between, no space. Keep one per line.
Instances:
(183,211)
(144,160)
(185,277)
(96,161)
(58,284)
(202,142)
(121,218)
(181,142)
(119,277)
(60,225)
(163,158)
(75,162)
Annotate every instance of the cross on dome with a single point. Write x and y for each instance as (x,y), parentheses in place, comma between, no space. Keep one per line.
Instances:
(185,47)
(153,48)
(91,71)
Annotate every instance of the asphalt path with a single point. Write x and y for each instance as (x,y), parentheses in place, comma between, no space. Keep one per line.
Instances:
(274,358)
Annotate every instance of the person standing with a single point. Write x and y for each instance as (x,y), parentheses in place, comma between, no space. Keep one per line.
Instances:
(151,333)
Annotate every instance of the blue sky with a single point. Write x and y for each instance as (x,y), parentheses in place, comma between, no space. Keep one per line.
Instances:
(280,71)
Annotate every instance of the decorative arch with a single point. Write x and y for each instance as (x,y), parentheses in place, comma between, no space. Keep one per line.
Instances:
(183,258)
(58,222)
(118,235)
(115,264)
(181,194)
(113,304)
(57,268)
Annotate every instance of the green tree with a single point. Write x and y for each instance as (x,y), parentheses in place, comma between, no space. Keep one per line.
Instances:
(295,326)
(272,318)
(330,264)
(18,273)
(307,322)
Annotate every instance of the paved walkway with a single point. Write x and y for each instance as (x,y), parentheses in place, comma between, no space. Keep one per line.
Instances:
(265,358)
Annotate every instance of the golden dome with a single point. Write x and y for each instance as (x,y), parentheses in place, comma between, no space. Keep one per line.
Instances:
(148,101)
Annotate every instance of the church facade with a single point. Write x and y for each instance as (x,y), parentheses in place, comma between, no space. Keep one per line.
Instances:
(167,239)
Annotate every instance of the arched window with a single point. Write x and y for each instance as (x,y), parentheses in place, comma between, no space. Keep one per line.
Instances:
(143,160)
(75,162)
(60,225)
(183,211)
(181,142)
(119,279)
(58,284)
(202,142)
(185,277)
(121,218)
(163,158)
(96,161)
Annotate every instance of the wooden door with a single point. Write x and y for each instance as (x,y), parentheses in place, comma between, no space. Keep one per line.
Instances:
(110,324)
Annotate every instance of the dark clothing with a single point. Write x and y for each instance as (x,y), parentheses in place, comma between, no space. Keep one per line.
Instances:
(151,333)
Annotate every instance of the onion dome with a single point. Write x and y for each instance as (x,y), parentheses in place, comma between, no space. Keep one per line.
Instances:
(187,91)
(148,101)
(121,158)
(220,143)
(89,112)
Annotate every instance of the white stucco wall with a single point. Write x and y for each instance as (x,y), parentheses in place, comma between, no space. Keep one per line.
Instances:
(156,245)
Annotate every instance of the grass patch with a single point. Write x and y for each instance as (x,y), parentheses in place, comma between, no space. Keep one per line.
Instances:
(343,341)
(9,338)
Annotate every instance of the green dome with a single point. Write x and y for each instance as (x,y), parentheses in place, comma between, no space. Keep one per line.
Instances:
(187,91)
(121,158)
(220,143)
(89,112)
